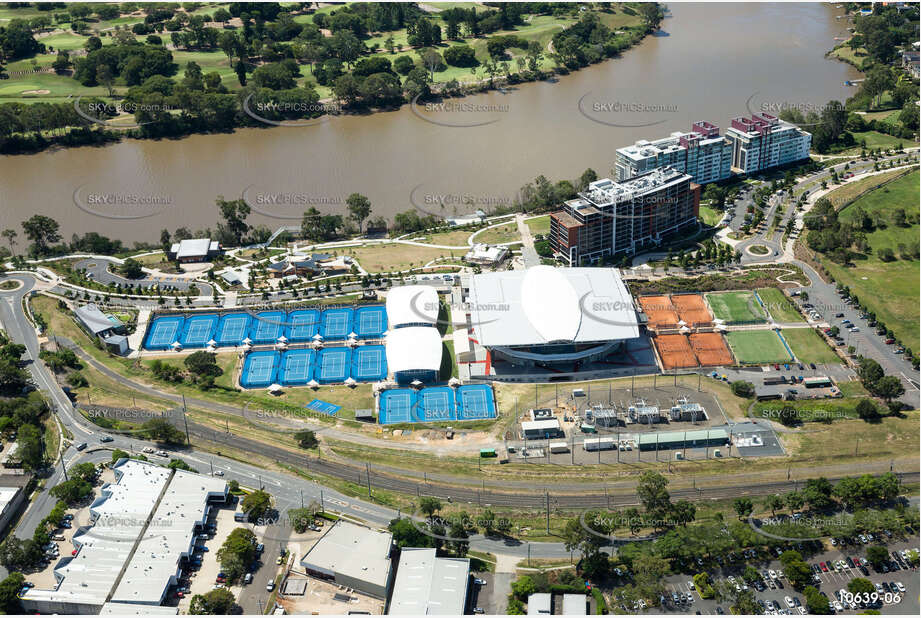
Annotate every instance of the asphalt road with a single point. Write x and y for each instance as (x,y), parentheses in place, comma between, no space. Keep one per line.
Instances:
(102,270)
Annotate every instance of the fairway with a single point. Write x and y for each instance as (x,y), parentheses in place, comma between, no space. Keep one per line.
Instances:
(736,307)
(781,308)
(757,347)
(808,346)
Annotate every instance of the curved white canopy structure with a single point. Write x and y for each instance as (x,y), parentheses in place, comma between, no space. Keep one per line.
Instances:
(412,304)
(414,348)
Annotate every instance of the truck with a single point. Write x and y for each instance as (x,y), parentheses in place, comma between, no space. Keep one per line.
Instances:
(598,444)
(559,447)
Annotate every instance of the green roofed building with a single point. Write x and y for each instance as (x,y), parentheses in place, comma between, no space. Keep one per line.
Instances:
(683,439)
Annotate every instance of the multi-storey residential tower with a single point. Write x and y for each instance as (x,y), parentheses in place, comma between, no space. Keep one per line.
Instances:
(702,153)
(764,141)
(612,218)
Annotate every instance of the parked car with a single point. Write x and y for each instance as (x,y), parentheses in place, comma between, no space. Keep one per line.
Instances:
(270,586)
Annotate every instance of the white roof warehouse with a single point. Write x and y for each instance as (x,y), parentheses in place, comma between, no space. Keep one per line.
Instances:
(143,525)
(427,585)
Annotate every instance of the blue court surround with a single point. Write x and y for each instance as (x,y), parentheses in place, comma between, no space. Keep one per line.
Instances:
(336,324)
(163,331)
(259,369)
(198,330)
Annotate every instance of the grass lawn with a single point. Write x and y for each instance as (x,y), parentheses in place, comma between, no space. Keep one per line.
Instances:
(451,238)
(892,437)
(875,139)
(845,193)
(396,256)
(757,347)
(507,232)
(889,289)
(710,216)
(539,225)
(808,346)
(811,409)
(779,306)
(736,307)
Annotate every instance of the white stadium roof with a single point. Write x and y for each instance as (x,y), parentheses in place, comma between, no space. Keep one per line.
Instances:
(412,348)
(412,304)
(551,305)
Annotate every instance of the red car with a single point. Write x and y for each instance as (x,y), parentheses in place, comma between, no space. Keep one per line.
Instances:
(824,567)
(890,341)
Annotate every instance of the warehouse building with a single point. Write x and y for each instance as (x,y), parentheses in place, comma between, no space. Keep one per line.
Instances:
(428,585)
(541,430)
(353,556)
(131,554)
(677,440)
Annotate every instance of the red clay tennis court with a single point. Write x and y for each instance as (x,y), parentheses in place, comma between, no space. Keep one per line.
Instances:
(710,349)
(692,309)
(675,351)
(660,311)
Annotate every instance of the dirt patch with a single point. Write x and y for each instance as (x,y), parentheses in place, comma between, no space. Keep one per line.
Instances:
(675,351)
(710,349)
(42,91)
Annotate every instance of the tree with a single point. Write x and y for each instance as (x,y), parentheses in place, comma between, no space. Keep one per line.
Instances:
(359,208)
(219,602)
(878,555)
(523,587)
(9,593)
(237,553)
(816,603)
(867,410)
(405,534)
(741,388)
(795,569)
(234,213)
(652,492)
(160,430)
(42,231)
(300,519)
(743,507)
(793,500)
(10,236)
(774,502)
(256,505)
(860,585)
(429,506)
(30,450)
(889,388)
(202,364)
(306,439)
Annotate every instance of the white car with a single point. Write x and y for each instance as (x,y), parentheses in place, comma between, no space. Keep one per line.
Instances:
(789,602)
(773,574)
(270,586)
(900,586)
(779,573)
(838,606)
(802,610)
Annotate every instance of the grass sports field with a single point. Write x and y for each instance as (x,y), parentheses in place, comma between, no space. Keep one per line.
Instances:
(779,306)
(808,346)
(736,307)
(889,289)
(757,347)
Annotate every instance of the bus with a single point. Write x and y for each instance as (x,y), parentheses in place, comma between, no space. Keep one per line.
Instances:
(488,452)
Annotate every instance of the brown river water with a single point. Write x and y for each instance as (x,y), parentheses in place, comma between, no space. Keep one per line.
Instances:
(710,61)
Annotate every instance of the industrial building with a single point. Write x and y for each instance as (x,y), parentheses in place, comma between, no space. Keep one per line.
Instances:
(544,315)
(144,525)
(622,218)
(541,430)
(194,250)
(764,141)
(12,496)
(677,440)
(428,585)
(414,347)
(703,154)
(540,603)
(105,327)
(353,556)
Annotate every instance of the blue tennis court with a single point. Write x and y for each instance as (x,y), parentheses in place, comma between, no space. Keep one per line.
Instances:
(370,322)
(369,363)
(396,406)
(436,404)
(267,327)
(336,323)
(198,330)
(232,329)
(296,367)
(163,331)
(475,402)
(323,406)
(259,369)
(332,365)
(302,325)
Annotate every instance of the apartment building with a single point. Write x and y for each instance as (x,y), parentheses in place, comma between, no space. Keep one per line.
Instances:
(764,141)
(620,218)
(702,153)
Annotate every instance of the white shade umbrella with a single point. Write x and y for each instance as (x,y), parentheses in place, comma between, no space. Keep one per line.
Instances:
(353,335)
(282,339)
(176,345)
(454,382)
(316,345)
(212,343)
(318,337)
(281,345)
(416,383)
(684,329)
(274,388)
(351,382)
(718,321)
(313,384)
(352,343)
(247,341)
(681,322)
